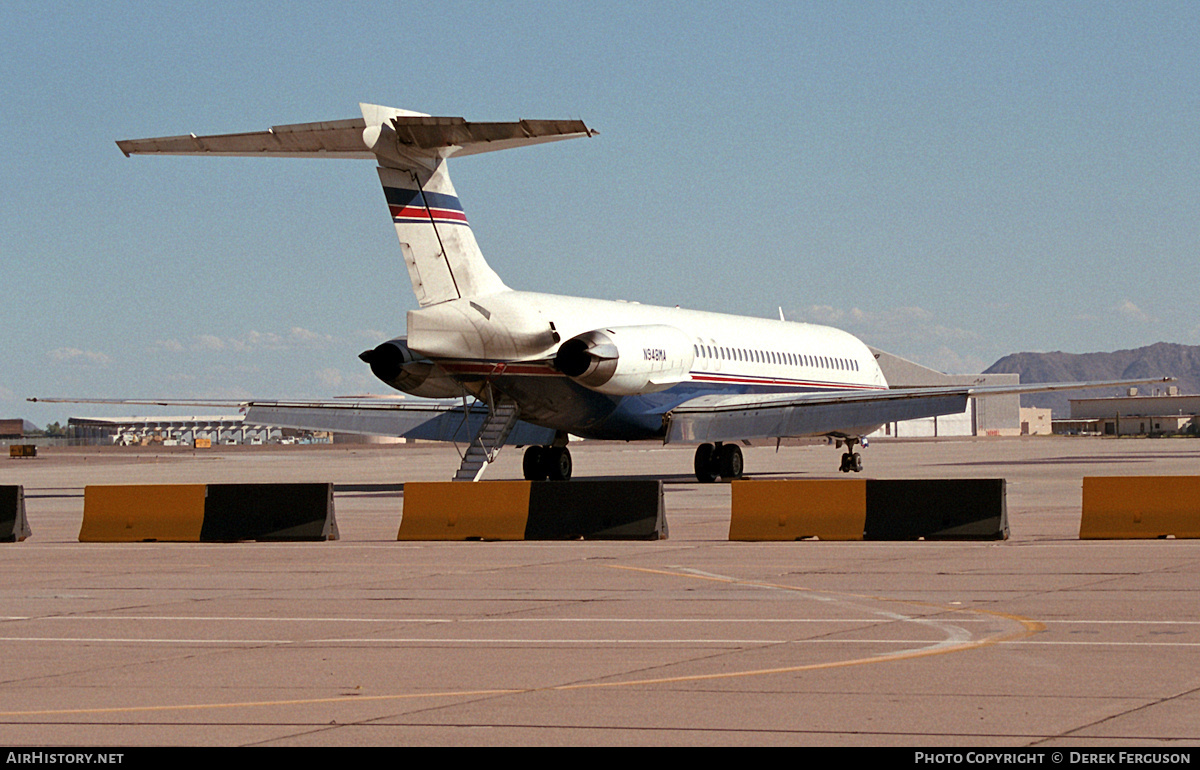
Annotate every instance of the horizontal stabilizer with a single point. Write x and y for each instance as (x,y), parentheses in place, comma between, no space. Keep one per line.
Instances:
(413,132)
(431,133)
(332,139)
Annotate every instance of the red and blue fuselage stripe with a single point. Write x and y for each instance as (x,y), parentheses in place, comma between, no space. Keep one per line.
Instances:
(710,382)
(423,207)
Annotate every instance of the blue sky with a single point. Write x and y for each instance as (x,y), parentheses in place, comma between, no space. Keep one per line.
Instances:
(949,181)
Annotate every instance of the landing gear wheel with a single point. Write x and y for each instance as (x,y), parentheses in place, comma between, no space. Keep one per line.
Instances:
(706,472)
(729,462)
(533,463)
(556,461)
(851,461)
(856,464)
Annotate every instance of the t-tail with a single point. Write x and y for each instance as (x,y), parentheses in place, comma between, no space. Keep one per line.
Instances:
(443,259)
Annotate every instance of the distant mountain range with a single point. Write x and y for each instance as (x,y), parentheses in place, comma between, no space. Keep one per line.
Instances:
(1162,359)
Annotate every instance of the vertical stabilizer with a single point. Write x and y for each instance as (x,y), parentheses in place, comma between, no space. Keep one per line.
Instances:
(444,261)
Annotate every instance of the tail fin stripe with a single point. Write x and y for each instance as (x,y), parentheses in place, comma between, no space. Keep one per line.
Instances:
(410,215)
(408,207)
(402,197)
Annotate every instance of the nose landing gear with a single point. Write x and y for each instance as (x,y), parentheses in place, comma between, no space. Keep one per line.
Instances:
(851,460)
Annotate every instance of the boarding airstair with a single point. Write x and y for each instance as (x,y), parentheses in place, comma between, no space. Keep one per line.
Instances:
(502,416)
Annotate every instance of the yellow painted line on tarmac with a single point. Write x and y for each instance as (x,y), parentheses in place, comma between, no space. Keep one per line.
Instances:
(258,704)
(1028,628)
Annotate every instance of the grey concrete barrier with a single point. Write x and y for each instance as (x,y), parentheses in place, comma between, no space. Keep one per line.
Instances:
(14,527)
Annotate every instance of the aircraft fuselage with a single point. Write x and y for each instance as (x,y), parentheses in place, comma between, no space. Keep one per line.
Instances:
(660,357)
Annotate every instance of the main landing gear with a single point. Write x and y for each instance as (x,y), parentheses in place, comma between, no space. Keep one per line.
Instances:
(851,460)
(713,460)
(547,462)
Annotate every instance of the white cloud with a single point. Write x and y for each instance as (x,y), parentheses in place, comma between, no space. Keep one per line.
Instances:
(302,336)
(820,314)
(75,355)
(1134,313)
(908,331)
(208,342)
(252,341)
(906,324)
(169,346)
(945,359)
(329,378)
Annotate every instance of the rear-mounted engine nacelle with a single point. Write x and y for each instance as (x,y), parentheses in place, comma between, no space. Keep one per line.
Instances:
(394,363)
(627,360)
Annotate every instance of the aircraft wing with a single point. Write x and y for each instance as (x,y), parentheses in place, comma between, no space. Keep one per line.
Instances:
(427,420)
(430,421)
(732,418)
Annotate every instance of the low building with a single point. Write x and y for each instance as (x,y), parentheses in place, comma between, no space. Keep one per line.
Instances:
(1035,421)
(16,428)
(169,431)
(1132,415)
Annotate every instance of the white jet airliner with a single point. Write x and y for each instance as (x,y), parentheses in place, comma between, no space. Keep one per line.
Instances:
(541,366)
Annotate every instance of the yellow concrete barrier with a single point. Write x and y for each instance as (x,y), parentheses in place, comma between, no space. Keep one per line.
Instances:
(449,510)
(793,509)
(135,513)
(1140,507)
(869,509)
